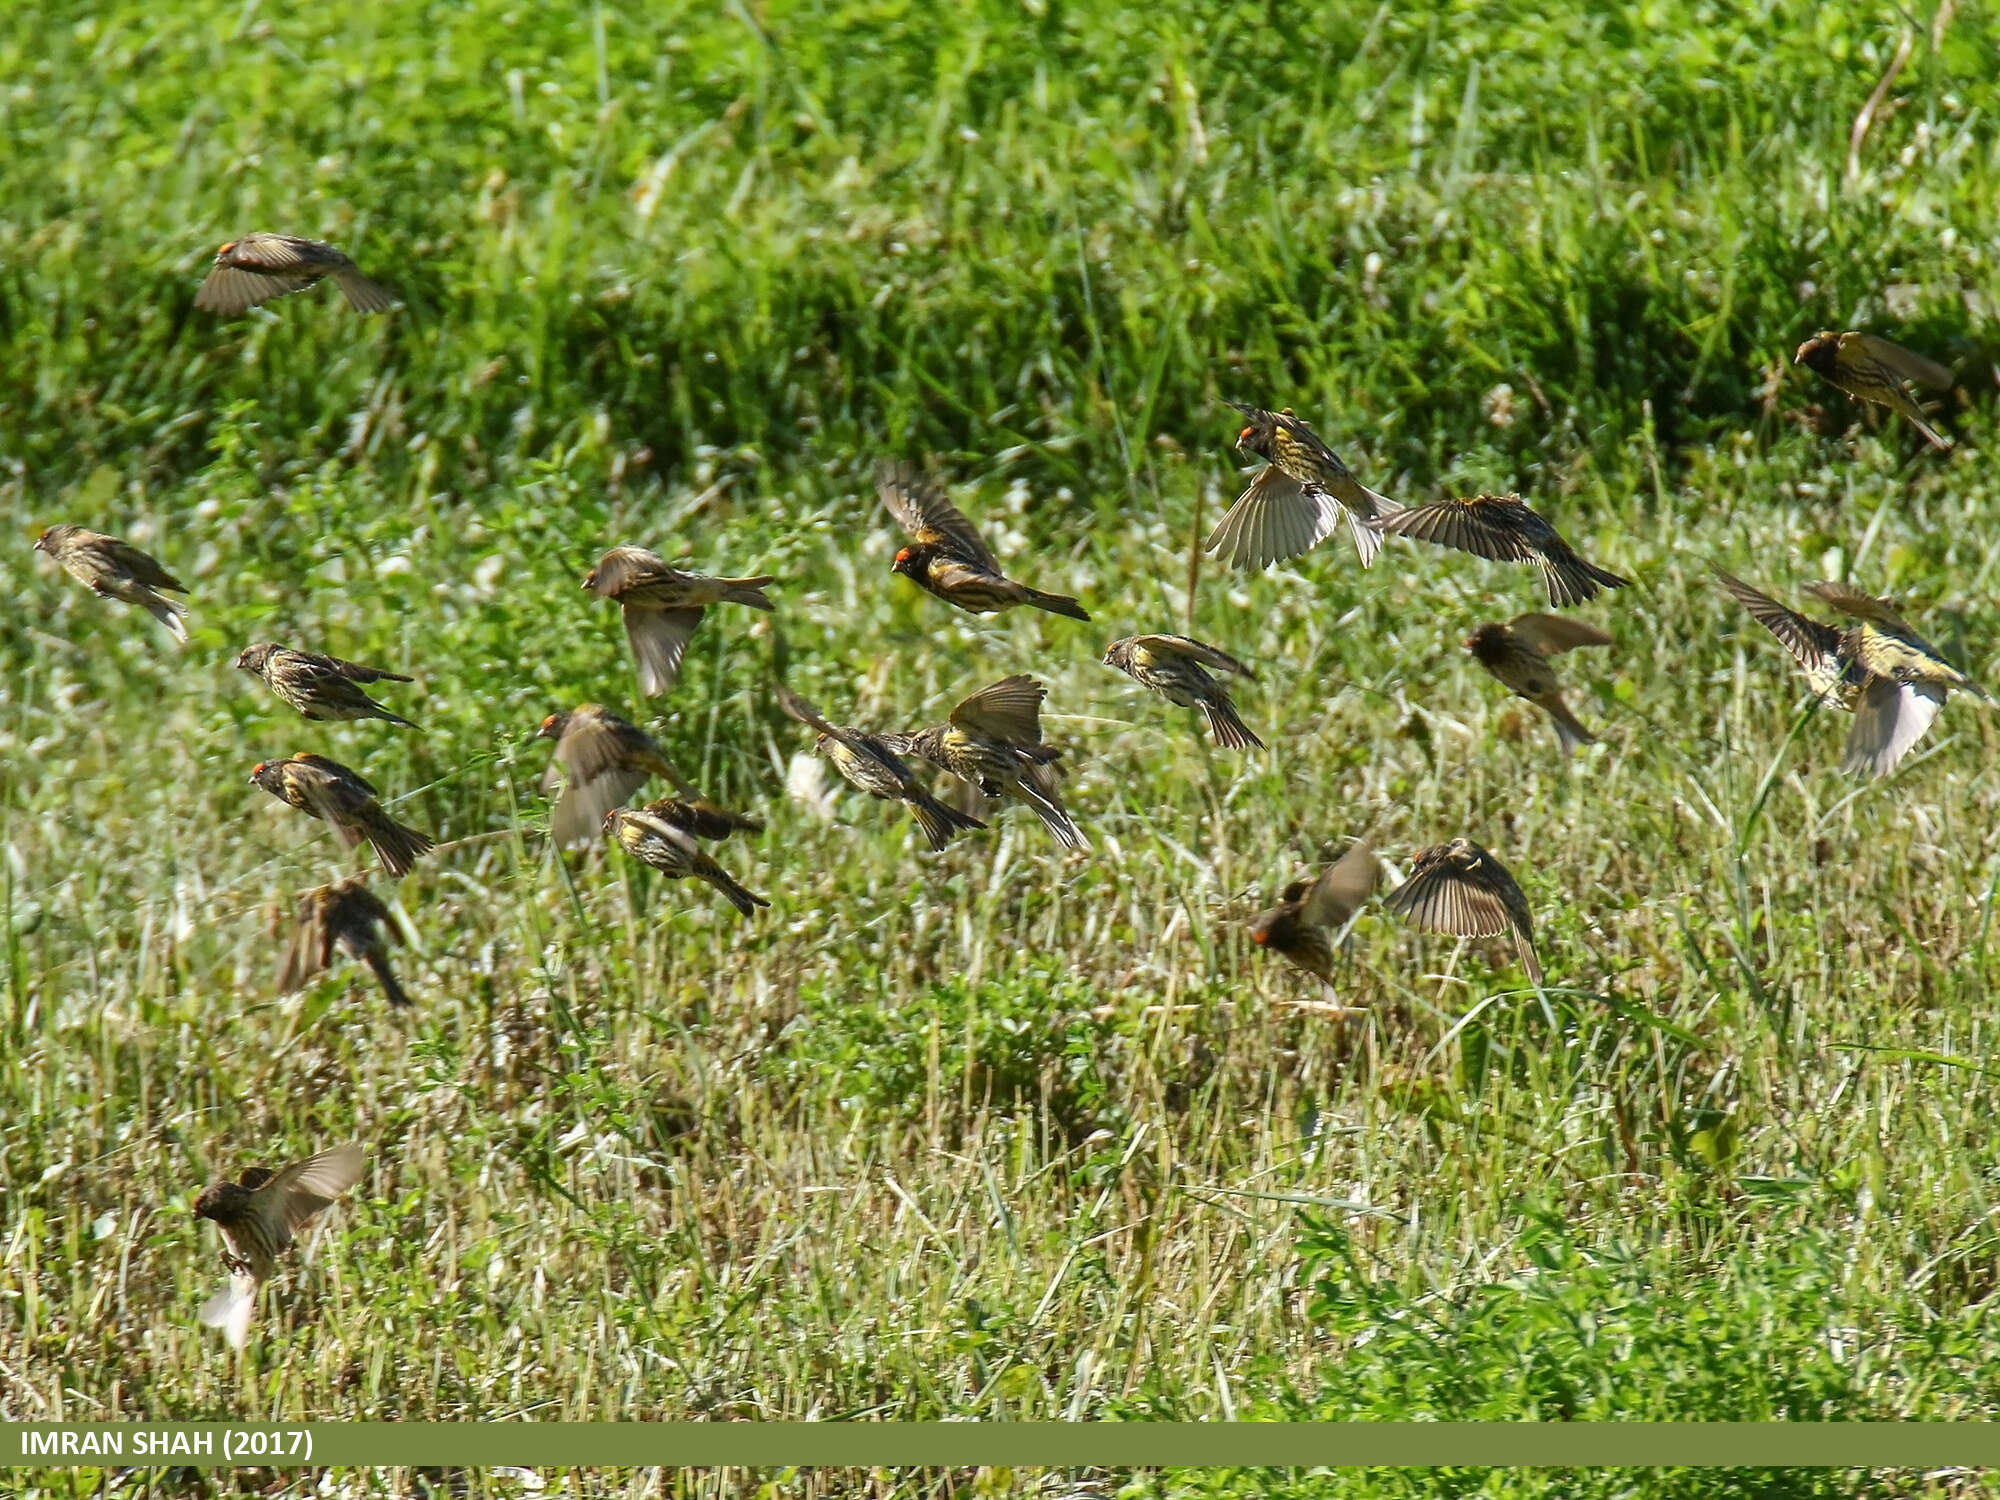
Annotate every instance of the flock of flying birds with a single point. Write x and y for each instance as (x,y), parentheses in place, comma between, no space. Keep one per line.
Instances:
(1879,669)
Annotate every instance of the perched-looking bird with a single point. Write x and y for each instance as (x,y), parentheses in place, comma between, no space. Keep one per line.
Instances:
(1461,889)
(1172,666)
(671,850)
(1886,645)
(260,1214)
(1504,529)
(994,741)
(320,687)
(1872,369)
(1297,499)
(1302,924)
(600,759)
(662,605)
(871,765)
(948,558)
(1517,656)
(346,916)
(1890,717)
(262,266)
(331,792)
(112,569)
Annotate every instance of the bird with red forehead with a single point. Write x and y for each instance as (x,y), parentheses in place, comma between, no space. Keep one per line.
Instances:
(948,557)
(263,266)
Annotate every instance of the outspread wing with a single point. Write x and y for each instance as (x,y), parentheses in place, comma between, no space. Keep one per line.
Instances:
(1201,651)
(1343,889)
(922,508)
(1554,634)
(1274,519)
(1010,710)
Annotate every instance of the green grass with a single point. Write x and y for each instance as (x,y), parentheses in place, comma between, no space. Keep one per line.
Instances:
(983,1135)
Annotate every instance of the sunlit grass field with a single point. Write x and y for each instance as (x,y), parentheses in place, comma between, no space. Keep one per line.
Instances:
(999,1134)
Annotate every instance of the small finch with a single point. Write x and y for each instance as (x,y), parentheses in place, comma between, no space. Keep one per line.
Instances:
(601,760)
(320,687)
(1890,717)
(948,558)
(672,851)
(1872,369)
(1297,499)
(112,569)
(260,1214)
(1172,666)
(1461,889)
(662,605)
(871,765)
(1886,645)
(1504,529)
(262,266)
(327,790)
(1301,925)
(1517,656)
(348,917)
(994,741)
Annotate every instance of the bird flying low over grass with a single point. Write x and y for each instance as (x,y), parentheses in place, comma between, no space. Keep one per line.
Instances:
(263,266)
(1890,678)
(1516,655)
(871,764)
(662,605)
(1873,369)
(946,555)
(1297,499)
(260,1214)
(1459,888)
(1175,667)
(1504,529)
(112,569)
(994,741)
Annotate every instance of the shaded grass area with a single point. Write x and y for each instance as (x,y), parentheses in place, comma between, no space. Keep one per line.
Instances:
(995,1134)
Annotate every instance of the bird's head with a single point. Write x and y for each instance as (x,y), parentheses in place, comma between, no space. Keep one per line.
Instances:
(224,248)
(610,824)
(553,727)
(1487,641)
(253,658)
(1260,930)
(821,741)
(1118,654)
(52,537)
(220,1201)
(906,562)
(1819,353)
(590,579)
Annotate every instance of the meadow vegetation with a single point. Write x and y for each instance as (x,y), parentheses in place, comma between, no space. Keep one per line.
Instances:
(996,1134)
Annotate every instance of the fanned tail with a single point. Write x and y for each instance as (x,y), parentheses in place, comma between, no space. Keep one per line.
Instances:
(1227,727)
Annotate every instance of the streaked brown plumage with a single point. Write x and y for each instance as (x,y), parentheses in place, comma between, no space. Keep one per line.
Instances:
(112,569)
(348,917)
(994,741)
(1873,369)
(327,790)
(262,266)
(948,558)
(1297,499)
(670,848)
(1308,913)
(1890,717)
(600,760)
(1504,529)
(320,687)
(1516,655)
(1886,645)
(1173,666)
(662,605)
(1461,889)
(260,1214)
(870,764)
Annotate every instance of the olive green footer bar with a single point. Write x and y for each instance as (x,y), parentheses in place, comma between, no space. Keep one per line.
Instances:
(1095,1445)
